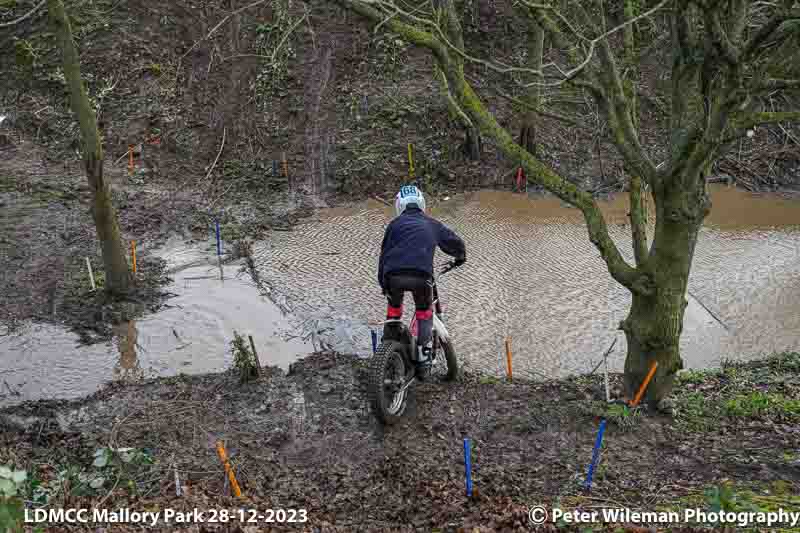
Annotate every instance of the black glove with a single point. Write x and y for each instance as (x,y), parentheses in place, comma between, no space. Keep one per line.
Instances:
(460,261)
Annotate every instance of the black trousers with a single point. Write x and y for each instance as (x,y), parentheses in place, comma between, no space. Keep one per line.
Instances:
(420,286)
(417,283)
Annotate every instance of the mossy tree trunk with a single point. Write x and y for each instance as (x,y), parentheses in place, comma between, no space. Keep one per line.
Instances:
(723,61)
(115,263)
(527,132)
(655,321)
(447,19)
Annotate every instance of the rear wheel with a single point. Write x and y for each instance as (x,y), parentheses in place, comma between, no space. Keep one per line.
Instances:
(445,365)
(387,378)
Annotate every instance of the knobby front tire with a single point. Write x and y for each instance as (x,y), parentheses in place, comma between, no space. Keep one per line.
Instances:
(451,372)
(388,364)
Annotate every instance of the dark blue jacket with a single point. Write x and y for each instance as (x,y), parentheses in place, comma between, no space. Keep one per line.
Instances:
(410,242)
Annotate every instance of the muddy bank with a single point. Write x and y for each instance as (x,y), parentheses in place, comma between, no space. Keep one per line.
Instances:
(305,439)
(48,232)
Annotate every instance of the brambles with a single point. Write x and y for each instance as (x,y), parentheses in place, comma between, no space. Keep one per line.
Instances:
(274,45)
(26,53)
(390,54)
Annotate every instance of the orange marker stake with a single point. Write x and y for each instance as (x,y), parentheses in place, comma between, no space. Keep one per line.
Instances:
(130,158)
(647,379)
(508,358)
(285,166)
(133,255)
(228,470)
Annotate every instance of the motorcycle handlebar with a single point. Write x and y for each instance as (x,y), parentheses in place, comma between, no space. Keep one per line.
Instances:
(450,265)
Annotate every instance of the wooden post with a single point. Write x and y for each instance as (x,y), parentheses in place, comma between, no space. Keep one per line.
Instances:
(285,166)
(177,482)
(91,274)
(255,355)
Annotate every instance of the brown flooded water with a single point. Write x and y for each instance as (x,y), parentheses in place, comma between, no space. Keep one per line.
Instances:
(192,336)
(532,275)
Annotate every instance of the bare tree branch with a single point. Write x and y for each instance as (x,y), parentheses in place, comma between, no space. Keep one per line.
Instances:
(486,123)
(739,12)
(729,50)
(221,22)
(776,85)
(766,31)
(616,104)
(23,17)
(391,10)
(750,120)
(537,110)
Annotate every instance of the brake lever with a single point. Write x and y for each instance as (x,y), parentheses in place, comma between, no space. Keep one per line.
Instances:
(450,266)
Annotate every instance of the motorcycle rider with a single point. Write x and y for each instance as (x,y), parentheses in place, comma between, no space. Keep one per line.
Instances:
(406,264)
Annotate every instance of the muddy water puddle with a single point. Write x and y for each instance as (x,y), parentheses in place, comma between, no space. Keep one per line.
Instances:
(191,335)
(533,276)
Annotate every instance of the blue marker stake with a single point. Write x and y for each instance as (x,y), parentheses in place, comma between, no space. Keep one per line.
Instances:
(219,240)
(274,168)
(374,340)
(468,467)
(595,454)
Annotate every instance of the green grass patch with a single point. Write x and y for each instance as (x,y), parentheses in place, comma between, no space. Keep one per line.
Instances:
(730,498)
(619,415)
(758,404)
(765,390)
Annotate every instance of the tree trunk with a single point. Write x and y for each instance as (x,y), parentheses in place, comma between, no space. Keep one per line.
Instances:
(653,326)
(527,133)
(105,217)
(473,144)
(446,15)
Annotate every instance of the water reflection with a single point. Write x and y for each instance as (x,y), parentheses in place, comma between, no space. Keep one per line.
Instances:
(128,368)
(191,335)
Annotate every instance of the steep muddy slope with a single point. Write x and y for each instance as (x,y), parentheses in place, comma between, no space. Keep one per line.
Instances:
(314,83)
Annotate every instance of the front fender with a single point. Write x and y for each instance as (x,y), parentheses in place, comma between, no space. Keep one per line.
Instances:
(440,329)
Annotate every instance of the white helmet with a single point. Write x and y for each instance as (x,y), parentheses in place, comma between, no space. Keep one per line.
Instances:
(409,194)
